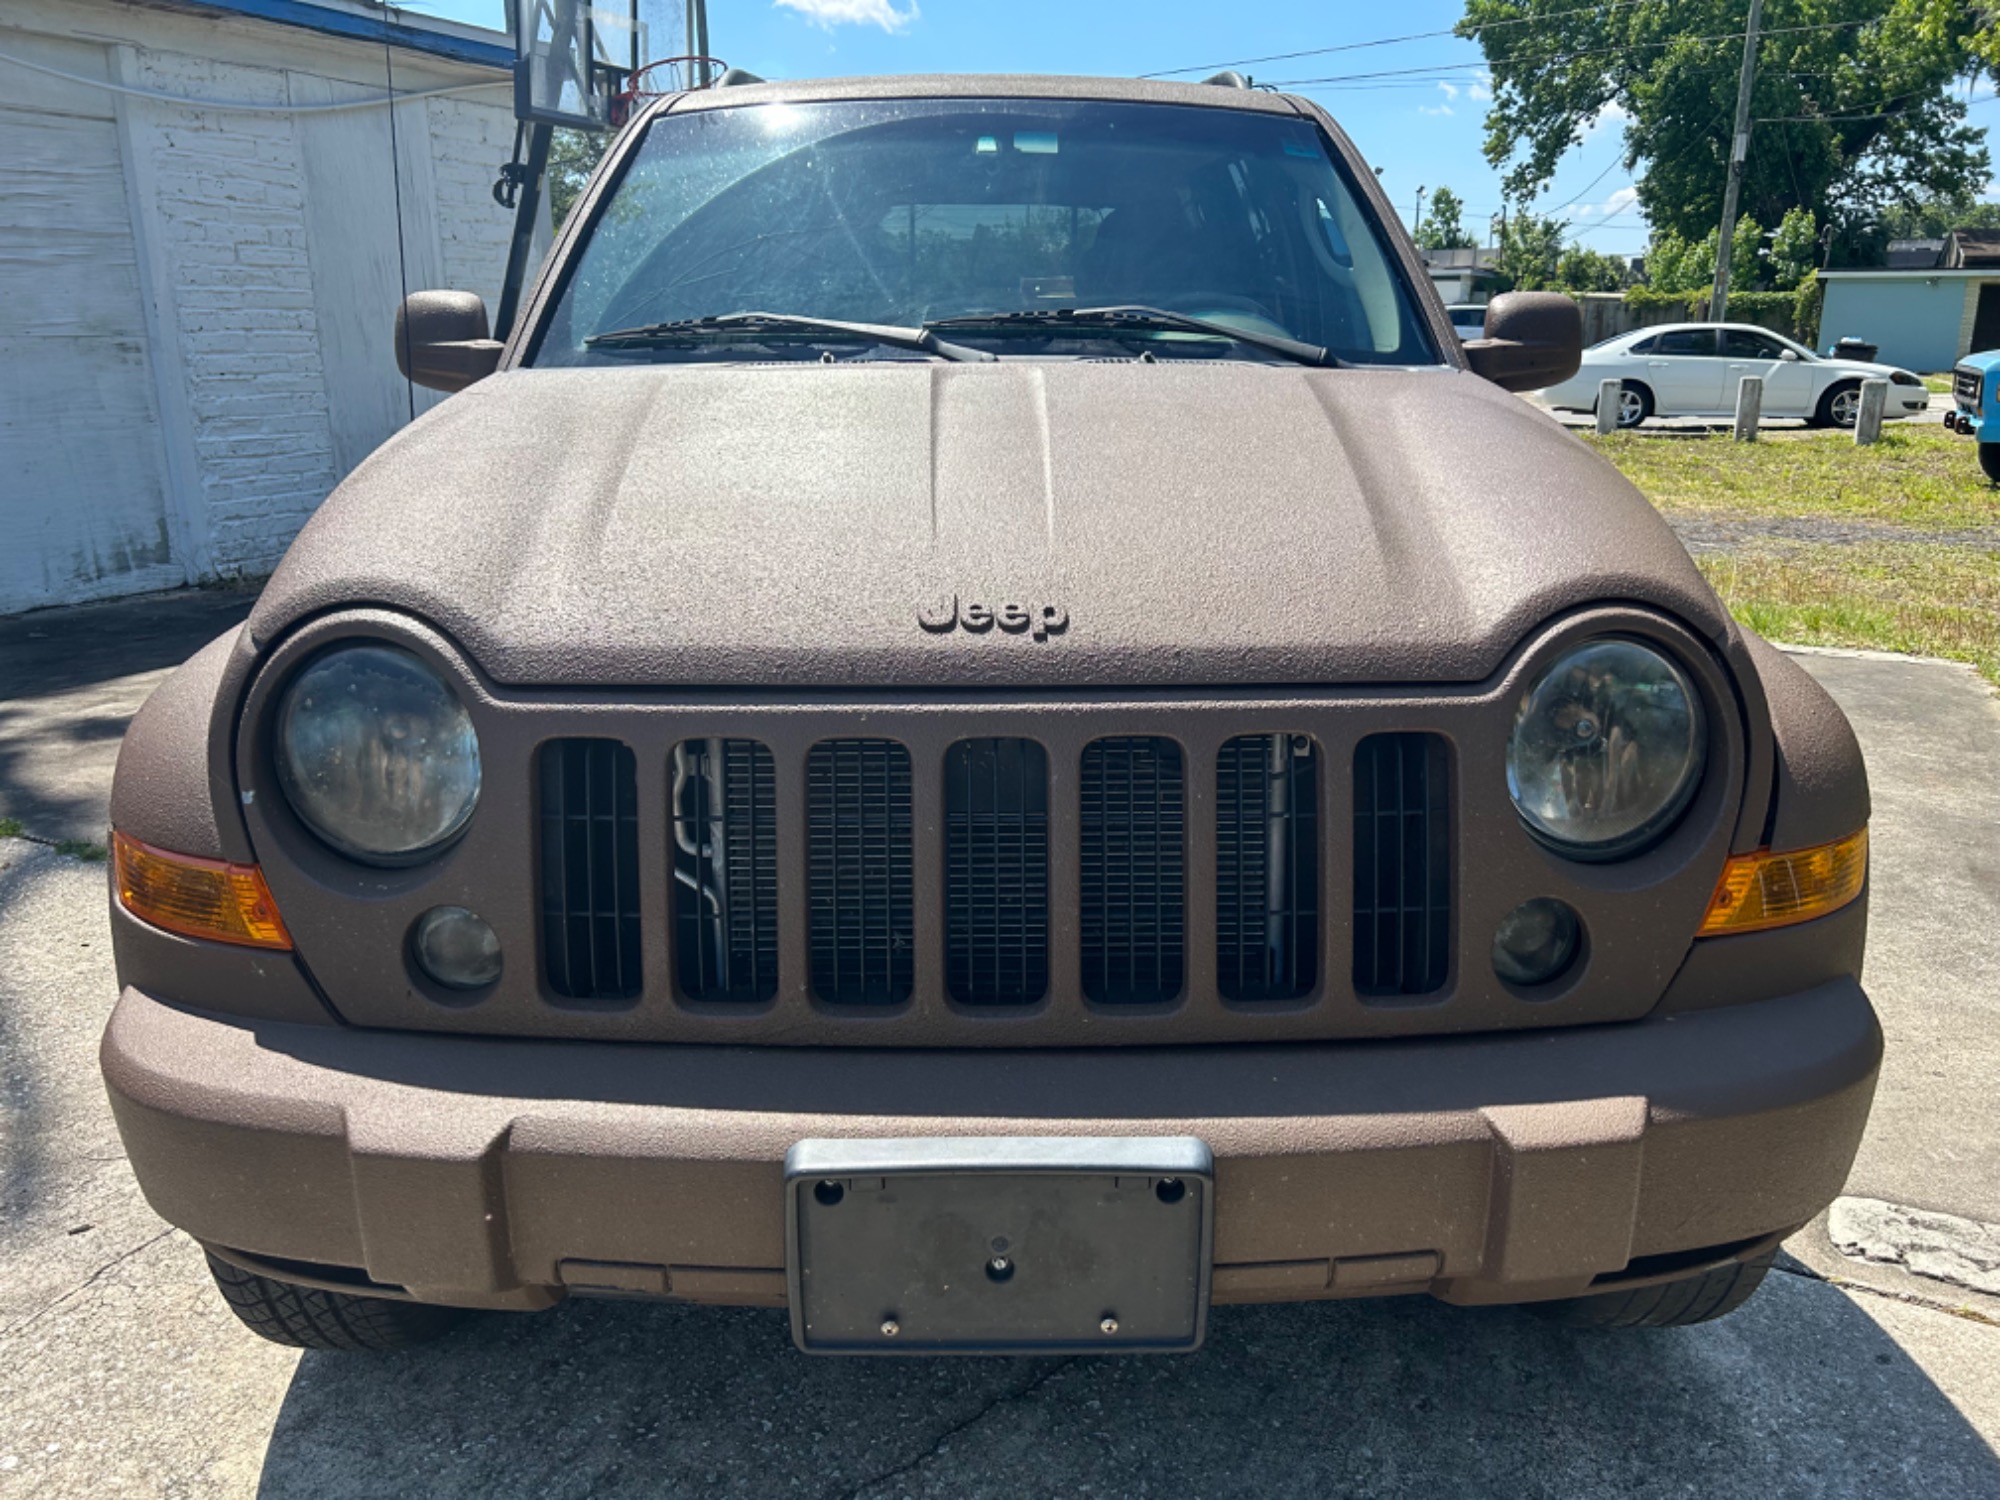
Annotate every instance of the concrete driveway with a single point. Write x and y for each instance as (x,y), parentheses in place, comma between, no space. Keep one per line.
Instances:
(121,1371)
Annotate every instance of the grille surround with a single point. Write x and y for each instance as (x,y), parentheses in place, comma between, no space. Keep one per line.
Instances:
(353,924)
(1968,387)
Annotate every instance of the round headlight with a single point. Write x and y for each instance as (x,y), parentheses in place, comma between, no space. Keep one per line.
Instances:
(1607,750)
(376,754)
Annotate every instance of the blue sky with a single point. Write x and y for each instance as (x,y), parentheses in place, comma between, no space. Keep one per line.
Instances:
(1422,128)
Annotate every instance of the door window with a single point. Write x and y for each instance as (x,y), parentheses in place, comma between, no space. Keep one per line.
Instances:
(1685,342)
(1740,343)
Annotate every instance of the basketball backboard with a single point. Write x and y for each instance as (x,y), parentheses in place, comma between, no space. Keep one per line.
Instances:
(572,57)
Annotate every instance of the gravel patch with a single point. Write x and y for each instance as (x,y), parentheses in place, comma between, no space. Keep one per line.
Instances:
(1701,534)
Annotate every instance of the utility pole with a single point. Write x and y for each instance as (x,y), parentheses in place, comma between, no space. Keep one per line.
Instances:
(1418,222)
(1739,152)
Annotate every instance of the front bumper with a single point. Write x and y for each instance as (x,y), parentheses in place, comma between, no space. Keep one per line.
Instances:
(504,1173)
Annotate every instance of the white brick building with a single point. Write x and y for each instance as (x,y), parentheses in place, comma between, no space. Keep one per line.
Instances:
(196,300)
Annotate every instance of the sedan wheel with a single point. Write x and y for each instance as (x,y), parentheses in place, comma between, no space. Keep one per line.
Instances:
(1844,410)
(1631,407)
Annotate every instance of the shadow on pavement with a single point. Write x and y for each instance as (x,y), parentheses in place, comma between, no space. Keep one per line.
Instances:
(71,680)
(1799,1393)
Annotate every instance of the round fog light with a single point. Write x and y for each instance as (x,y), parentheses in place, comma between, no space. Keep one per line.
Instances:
(1536,941)
(457,948)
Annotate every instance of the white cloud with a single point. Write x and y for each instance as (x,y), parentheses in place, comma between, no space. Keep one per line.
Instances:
(1450,89)
(1482,91)
(832,13)
(1425,109)
(1619,201)
(1612,114)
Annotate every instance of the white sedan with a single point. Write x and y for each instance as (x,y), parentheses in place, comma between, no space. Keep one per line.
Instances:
(1692,370)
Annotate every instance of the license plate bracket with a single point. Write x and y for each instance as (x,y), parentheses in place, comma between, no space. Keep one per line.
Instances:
(1029,1245)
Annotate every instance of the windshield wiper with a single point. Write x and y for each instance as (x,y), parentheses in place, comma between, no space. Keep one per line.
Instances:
(766,327)
(1115,320)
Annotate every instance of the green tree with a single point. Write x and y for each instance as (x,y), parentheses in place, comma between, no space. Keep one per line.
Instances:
(1581,269)
(1444,227)
(573,156)
(1852,100)
(1674,264)
(1530,251)
(1794,249)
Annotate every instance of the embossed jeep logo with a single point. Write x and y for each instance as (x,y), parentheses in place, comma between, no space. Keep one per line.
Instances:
(1040,620)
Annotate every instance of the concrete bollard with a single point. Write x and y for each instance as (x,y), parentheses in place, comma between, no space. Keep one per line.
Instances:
(1608,392)
(1749,407)
(1868,423)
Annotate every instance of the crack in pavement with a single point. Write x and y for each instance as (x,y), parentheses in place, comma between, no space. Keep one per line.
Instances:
(85,1284)
(1908,1299)
(1005,1398)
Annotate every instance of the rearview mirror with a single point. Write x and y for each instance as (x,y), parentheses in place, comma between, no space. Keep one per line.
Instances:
(1532,340)
(443,340)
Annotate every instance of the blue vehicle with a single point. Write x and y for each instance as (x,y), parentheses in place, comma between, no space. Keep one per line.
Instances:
(1975,391)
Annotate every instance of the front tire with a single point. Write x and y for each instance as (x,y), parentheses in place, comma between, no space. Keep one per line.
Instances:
(1989,461)
(1839,407)
(1674,1304)
(303,1317)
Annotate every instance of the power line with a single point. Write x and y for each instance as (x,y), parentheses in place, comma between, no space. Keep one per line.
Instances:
(1392,41)
(1591,184)
(1518,63)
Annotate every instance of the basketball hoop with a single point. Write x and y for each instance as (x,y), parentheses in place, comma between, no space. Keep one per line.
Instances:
(663,76)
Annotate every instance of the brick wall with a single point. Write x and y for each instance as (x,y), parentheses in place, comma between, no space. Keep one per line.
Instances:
(231,227)
(468,142)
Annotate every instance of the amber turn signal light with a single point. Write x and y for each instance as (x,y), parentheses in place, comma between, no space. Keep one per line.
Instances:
(1765,890)
(199,898)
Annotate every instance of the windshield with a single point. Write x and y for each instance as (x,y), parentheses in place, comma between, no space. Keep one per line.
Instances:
(908,212)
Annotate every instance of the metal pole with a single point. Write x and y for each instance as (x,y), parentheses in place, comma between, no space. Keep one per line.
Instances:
(1418,222)
(1739,152)
(700,9)
(525,210)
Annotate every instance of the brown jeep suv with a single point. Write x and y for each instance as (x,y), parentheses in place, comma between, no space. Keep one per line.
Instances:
(982,727)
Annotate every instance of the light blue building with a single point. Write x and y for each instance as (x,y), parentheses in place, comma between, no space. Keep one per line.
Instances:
(1921,319)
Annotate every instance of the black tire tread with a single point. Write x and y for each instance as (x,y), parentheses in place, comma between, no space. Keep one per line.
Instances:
(1989,461)
(303,1317)
(1673,1304)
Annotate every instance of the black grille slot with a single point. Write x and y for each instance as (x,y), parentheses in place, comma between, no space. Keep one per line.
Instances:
(725,870)
(590,869)
(1267,867)
(1967,386)
(858,880)
(996,809)
(1134,920)
(1402,865)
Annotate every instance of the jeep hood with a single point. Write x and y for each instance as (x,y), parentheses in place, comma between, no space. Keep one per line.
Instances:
(784,525)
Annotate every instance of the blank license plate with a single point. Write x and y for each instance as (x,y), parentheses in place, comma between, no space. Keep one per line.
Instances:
(1004,1246)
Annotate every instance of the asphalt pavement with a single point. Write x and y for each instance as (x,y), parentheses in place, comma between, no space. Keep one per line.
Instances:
(122,1373)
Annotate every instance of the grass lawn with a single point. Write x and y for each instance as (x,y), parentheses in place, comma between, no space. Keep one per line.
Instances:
(1938,385)
(1926,599)
(1920,477)
(1894,594)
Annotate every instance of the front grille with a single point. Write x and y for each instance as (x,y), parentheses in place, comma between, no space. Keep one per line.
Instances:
(1267,867)
(996,808)
(1402,865)
(858,829)
(590,869)
(1133,862)
(725,870)
(1967,386)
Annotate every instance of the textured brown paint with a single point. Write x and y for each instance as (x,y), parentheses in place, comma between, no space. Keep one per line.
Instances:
(1209,551)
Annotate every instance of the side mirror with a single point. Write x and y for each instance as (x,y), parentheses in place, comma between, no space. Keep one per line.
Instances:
(444,341)
(1533,339)
(1789,356)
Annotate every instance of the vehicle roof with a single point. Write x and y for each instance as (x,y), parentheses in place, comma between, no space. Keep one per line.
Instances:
(983,86)
(1676,327)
